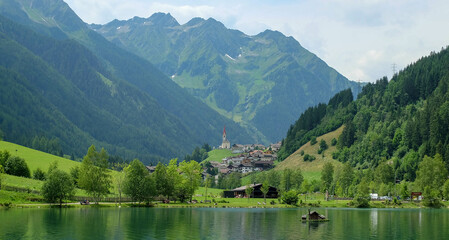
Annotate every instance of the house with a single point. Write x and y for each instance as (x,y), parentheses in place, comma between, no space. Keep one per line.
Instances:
(276,146)
(263,165)
(240,192)
(245,168)
(151,169)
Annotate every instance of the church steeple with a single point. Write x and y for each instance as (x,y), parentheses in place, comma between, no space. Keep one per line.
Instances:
(224,133)
(225,144)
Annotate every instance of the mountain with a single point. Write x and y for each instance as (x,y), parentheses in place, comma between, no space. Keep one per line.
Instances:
(394,123)
(264,81)
(66,82)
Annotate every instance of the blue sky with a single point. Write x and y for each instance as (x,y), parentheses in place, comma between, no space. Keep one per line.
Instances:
(361,39)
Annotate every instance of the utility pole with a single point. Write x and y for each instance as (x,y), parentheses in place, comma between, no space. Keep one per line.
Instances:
(393,67)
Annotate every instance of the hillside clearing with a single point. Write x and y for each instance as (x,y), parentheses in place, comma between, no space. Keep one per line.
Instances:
(295,160)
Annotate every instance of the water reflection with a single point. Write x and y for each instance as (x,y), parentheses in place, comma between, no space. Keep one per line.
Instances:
(205,223)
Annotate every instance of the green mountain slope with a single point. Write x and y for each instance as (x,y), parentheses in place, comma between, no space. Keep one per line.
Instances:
(397,122)
(78,87)
(264,81)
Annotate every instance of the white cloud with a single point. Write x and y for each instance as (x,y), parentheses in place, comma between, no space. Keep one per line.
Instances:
(360,39)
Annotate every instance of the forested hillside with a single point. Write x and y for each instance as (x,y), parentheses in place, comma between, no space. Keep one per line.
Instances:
(64,87)
(397,122)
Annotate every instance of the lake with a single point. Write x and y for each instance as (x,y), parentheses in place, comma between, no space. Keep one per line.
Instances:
(221,223)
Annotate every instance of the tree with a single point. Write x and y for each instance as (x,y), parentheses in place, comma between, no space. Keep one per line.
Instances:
(120,178)
(327,176)
(191,177)
(323,146)
(265,188)
(362,197)
(138,183)
(405,193)
(39,174)
(384,174)
(346,178)
(160,176)
(58,186)
(446,190)
(75,173)
(290,197)
(173,178)
(17,166)
(94,176)
(249,190)
(430,197)
(286,179)
(432,173)
(4,155)
(207,183)
(2,170)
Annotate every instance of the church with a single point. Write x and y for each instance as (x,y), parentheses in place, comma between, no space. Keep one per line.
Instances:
(225,144)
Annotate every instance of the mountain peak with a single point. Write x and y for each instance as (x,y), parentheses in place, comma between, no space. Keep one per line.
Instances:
(163,20)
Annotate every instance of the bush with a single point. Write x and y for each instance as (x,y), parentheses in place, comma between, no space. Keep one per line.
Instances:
(323,145)
(333,142)
(39,174)
(308,157)
(313,141)
(17,166)
(290,197)
(301,152)
(430,198)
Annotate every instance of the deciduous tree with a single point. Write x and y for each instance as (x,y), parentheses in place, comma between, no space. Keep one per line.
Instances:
(138,184)
(191,177)
(94,176)
(58,186)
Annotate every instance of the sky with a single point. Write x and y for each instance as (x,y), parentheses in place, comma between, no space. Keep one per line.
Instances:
(362,39)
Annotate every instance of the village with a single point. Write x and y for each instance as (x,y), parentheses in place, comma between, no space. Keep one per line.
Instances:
(250,158)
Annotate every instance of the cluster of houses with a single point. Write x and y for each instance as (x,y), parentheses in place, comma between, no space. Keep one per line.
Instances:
(246,162)
(250,158)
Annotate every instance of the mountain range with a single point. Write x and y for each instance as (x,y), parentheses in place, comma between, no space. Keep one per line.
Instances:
(62,80)
(264,81)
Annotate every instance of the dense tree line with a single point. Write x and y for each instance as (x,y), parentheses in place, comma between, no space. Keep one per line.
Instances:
(199,154)
(390,131)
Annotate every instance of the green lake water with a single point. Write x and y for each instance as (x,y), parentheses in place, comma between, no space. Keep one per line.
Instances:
(220,223)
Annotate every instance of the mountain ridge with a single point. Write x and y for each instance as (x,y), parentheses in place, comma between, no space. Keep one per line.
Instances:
(245,78)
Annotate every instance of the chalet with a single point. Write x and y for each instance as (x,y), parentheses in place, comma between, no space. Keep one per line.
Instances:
(257,193)
(245,168)
(151,169)
(263,165)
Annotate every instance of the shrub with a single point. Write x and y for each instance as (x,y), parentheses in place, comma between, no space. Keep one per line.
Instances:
(290,197)
(313,141)
(333,142)
(39,174)
(308,157)
(17,166)
(301,152)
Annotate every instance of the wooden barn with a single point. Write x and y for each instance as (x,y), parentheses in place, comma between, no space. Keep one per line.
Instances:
(240,192)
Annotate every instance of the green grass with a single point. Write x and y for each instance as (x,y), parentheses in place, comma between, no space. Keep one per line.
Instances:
(21,182)
(19,197)
(218,154)
(37,159)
